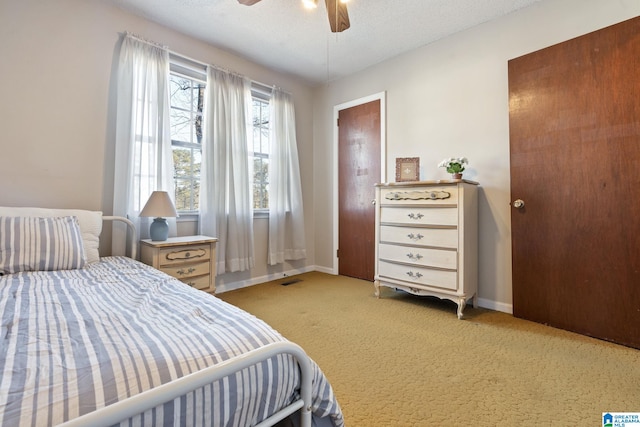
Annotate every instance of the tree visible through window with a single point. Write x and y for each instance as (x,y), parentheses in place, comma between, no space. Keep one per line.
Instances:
(259,152)
(187,100)
(187,88)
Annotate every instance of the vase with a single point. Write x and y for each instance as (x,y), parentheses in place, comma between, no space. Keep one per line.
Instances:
(456,176)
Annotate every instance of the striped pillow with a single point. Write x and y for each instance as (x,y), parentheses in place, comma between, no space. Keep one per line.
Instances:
(40,244)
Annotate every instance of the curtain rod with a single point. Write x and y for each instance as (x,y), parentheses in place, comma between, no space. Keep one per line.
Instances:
(142,39)
(264,86)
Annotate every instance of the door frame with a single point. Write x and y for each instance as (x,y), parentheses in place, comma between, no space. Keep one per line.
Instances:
(383,155)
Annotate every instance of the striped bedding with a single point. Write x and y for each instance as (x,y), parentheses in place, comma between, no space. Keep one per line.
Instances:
(77,340)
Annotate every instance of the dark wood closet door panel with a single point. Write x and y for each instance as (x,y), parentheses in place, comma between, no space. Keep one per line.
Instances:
(358,171)
(575,162)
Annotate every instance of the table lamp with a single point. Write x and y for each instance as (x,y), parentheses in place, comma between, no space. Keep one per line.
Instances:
(159,206)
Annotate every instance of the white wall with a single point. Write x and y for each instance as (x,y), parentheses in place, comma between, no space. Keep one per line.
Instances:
(449,99)
(56,111)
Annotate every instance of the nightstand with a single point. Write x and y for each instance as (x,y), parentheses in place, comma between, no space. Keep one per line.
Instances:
(191,259)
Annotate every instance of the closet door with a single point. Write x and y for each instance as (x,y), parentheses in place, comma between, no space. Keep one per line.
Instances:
(358,172)
(575,184)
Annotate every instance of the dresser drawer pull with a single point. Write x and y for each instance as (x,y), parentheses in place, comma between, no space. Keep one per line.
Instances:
(189,254)
(415,216)
(414,275)
(416,257)
(415,236)
(189,271)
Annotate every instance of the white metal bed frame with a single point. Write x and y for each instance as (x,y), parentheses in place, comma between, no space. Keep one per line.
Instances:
(151,398)
(156,396)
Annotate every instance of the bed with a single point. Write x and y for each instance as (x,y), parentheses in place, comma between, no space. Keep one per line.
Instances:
(90,341)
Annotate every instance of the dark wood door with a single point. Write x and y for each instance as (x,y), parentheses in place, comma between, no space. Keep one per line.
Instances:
(574,122)
(358,171)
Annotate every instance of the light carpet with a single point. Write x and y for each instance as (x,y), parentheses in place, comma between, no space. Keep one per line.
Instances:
(403,360)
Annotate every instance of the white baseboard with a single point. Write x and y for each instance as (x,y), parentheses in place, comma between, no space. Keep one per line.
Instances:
(494,305)
(321,269)
(225,287)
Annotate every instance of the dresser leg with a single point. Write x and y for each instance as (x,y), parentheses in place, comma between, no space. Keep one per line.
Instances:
(376,285)
(461,304)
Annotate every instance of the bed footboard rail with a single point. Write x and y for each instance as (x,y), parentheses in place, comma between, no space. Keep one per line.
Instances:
(139,403)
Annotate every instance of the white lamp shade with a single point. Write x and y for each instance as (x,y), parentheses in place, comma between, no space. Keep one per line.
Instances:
(159,205)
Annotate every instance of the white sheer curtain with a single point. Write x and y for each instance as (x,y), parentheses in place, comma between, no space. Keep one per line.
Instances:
(225,193)
(143,156)
(286,216)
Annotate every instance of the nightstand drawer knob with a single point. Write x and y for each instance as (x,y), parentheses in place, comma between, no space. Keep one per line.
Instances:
(181,272)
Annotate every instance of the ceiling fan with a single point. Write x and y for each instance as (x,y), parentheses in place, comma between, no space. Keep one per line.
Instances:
(336,9)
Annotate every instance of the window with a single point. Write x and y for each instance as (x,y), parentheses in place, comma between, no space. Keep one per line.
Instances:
(187,82)
(187,99)
(259,151)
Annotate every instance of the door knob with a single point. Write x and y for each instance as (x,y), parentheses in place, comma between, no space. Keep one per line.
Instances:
(518,204)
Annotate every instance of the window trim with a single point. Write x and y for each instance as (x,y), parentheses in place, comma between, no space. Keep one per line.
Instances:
(182,68)
(261,94)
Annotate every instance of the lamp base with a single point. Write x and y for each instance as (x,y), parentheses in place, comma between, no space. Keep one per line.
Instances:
(159,229)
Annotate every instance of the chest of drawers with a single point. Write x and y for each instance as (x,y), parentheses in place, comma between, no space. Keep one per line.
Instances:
(427,239)
(191,259)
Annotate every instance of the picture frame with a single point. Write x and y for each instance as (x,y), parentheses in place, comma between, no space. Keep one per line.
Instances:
(407,169)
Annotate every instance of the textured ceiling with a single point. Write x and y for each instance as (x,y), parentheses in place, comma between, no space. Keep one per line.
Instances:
(283,35)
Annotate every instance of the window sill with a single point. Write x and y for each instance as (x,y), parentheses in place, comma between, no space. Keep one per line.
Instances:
(187,217)
(193,217)
(262,213)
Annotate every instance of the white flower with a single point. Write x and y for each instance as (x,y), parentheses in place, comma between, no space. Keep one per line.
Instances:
(454,165)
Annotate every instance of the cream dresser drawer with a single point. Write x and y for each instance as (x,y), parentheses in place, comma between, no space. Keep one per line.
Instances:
(427,239)
(419,275)
(435,237)
(436,216)
(438,195)
(437,258)
(191,259)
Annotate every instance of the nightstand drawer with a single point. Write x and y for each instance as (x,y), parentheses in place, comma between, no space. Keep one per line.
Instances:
(201,282)
(190,259)
(170,256)
(183,270)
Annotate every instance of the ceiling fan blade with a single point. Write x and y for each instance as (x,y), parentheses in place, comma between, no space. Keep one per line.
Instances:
(338,15)
(248,2)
